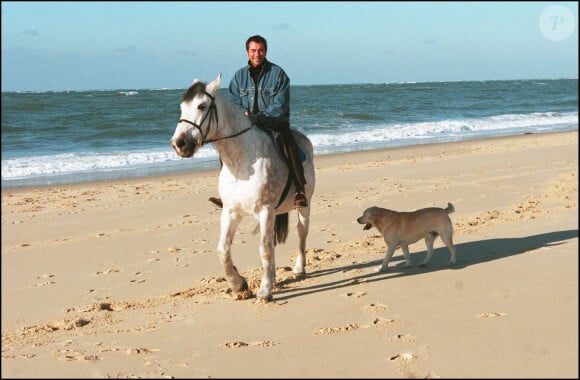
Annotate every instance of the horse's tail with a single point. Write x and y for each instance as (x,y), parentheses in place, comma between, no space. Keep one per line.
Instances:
(281,228)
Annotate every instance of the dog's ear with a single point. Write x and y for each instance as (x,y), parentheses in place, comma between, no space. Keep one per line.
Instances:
(367,226)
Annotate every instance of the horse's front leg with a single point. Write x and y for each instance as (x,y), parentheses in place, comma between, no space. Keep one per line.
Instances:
(302,226)
(229,223)
(267,218)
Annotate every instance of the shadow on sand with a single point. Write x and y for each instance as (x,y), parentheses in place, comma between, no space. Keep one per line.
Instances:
(470,253)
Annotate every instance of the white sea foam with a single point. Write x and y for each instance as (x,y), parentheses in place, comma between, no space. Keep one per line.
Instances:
(33,170)
(447,130)
(21,168)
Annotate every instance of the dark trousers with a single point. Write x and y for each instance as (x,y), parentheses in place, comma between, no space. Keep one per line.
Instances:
(292,153)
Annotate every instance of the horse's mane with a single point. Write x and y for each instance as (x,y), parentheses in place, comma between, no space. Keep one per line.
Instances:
(198,88)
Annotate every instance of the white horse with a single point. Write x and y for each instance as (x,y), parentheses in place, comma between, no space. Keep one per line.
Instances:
(254,179)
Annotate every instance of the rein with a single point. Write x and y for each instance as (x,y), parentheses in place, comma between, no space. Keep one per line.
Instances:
(211,113)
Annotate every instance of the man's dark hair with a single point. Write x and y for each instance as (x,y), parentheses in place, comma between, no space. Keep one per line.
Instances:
(258,39)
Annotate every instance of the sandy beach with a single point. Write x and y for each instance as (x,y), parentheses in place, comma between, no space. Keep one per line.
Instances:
(121,279)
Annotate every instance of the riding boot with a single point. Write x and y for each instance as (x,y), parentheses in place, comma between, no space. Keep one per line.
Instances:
(297,170)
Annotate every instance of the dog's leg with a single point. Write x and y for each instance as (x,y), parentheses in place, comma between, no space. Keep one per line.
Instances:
(429,239)
(405,248)
(448,240)
(385,265)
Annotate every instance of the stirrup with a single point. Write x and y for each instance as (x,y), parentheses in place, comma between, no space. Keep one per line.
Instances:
(300,200)
(216,201)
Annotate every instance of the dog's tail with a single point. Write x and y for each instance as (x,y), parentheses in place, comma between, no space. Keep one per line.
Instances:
(449,208)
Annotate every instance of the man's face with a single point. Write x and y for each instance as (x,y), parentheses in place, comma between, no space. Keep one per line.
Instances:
(256,53)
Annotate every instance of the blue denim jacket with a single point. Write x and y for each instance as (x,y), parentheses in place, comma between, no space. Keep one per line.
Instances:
(274,93)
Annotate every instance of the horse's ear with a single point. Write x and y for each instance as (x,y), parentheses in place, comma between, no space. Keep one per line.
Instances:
(195,81)
(215,85)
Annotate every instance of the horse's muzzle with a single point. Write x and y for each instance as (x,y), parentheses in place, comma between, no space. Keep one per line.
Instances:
(183,146)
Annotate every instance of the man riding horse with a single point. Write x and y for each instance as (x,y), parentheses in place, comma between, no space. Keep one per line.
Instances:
(262,90)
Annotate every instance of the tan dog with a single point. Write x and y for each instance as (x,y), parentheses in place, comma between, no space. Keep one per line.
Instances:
(404,228)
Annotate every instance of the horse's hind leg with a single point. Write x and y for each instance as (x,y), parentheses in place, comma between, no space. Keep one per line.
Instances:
(229,223)
(302,225)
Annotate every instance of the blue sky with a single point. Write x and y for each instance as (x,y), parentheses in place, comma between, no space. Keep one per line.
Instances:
(52,46)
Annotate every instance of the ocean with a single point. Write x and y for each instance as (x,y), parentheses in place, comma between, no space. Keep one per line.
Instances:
(77,136)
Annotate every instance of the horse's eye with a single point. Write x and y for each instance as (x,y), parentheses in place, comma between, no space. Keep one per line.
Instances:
(201,107)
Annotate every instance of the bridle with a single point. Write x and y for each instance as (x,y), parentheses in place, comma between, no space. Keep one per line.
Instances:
(211,113)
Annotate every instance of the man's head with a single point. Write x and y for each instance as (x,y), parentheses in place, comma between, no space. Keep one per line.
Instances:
(256,47)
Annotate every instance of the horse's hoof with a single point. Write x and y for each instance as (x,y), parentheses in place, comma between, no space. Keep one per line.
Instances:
(298,275)
(264,297)
(246,294)
(239,285)
(299,270)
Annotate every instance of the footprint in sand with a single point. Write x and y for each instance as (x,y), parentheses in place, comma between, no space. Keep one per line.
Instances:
(66,324)
(48,282)
(406,366)
(22,356)
(376,308)
(70,355)
(237,344)
(140,350)
(107,271)
(45,283)
(491,315)
(334,330)
(355,294)
(403,338)
(44,276)
(409,367)
(326,256)
(405,357)
(137,281)
(384,322)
